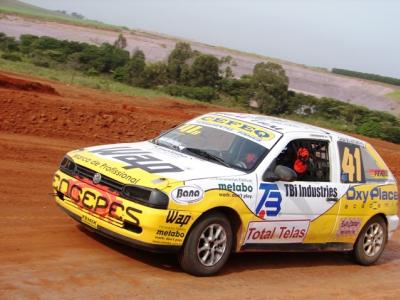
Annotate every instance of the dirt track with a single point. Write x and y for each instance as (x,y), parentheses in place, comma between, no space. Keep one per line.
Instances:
(46,255)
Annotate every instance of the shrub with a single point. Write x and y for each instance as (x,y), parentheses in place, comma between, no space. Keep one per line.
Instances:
(11,56)
(199,93)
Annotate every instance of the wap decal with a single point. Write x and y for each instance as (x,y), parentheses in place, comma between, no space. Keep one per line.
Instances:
(270,202)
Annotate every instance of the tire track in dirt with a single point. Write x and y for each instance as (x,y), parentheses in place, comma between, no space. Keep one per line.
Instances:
(46,255)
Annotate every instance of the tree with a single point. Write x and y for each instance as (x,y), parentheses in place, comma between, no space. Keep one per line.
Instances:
(26,42)
(178,69)
(121,42)
(154,74)
(270,85)
(205,71)
(8,43)
(132,71)
(137,63)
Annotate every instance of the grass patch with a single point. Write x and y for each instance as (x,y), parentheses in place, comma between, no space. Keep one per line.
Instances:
(27,10)
(324,123)
(78,78)
(394,95)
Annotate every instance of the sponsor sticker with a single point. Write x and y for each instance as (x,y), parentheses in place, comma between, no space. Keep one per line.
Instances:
(310,191)
(247,129)
(291,231)
(89,220)
(176,217)
(137,158)
(270,202)
(243,190)
(187,194)
(348,226)
(376,193)
(378,173)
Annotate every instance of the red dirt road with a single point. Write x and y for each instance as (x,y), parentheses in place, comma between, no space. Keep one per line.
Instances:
(46,255)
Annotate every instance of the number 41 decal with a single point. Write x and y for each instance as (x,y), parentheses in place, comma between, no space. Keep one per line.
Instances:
(351,163)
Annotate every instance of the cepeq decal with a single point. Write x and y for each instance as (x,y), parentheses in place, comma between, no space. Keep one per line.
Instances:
(187,194)
(293,231)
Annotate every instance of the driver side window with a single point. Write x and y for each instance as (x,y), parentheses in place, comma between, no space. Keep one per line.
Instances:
(308,158)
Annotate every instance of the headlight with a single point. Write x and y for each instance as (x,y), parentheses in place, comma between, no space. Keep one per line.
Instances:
(149,197)
(68,166)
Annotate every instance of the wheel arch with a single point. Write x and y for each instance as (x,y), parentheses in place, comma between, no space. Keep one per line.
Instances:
(233,218)
(379,215)
(383,216)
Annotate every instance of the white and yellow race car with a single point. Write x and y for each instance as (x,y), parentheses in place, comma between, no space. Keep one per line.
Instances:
(230,182)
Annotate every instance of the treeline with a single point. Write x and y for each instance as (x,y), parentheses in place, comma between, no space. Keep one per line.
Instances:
(204,77)
(345,116)
(375,77)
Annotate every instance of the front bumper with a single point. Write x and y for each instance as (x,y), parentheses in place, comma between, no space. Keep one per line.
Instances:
(103,231)
(157,230)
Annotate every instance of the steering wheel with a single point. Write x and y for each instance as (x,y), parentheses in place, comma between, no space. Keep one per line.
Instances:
(241,164)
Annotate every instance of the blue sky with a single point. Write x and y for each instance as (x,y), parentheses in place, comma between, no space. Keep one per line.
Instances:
(361,35)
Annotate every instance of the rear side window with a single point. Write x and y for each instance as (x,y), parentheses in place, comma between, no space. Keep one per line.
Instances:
(374,167)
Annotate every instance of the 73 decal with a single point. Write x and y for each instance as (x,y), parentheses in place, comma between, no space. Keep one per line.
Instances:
(270,202)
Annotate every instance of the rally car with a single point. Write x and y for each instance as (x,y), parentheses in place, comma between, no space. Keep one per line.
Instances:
(231,182)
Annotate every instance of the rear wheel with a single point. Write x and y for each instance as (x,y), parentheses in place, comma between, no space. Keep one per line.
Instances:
(208,245)
(371,241)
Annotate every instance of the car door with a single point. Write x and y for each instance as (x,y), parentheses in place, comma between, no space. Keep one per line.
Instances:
(303,211)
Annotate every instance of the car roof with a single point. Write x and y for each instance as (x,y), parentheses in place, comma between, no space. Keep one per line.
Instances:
(285,126)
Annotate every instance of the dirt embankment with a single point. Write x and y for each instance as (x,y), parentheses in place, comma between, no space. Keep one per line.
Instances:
(45,255)
(7,82)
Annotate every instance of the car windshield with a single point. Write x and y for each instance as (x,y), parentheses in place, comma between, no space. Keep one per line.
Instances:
(216,145)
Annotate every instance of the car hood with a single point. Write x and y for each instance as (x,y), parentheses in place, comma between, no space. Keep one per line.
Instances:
(145,163)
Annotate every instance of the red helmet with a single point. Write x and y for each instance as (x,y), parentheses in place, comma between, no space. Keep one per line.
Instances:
(300,165)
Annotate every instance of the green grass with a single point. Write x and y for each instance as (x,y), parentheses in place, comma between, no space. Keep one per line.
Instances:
(394,95)
(27,10)
(78,78)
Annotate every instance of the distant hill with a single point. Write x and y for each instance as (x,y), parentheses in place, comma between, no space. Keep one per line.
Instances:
(302,79)
(28,10)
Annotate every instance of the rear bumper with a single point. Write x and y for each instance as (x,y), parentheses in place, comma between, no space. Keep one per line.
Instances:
(393,224)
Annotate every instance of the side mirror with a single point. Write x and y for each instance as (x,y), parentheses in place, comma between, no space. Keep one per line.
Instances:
(280,173)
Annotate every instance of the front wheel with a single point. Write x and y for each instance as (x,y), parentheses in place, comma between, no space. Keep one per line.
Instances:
(208,245)
(371,242)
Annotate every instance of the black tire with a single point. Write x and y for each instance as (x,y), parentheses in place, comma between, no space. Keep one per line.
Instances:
(193,257)
(370,242)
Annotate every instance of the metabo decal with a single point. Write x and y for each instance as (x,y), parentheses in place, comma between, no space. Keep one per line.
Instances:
(136,158)
(170,233)
(376,193)
(95,200)
(270,203)
(241,187)
(234,187)
(310,191)
(348,226)
(175,217)
(187,194)
(293,231)
(250,130)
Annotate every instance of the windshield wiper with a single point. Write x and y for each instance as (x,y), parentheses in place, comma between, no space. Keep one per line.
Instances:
(207,155)
(159,142)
